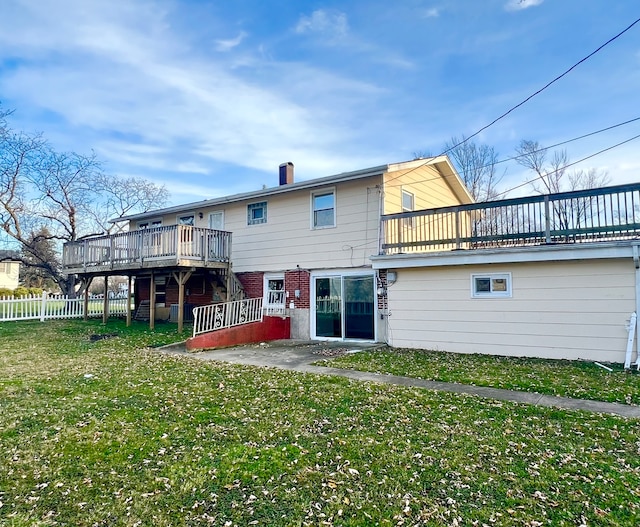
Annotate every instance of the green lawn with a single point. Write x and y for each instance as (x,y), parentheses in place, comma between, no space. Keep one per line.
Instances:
(579,379)
(103,432)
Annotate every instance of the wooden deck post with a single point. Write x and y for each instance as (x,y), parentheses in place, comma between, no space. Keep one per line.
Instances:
(547,220)
(105,300)
(229,282)
(152,302)
(181,277)
(129,302)
(87,281)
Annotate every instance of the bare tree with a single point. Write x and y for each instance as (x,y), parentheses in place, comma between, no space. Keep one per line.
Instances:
(48,198)
(123,196)
(476,165)
(552,170)
(553,176)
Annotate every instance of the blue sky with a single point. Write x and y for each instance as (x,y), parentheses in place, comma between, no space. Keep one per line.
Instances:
(209,97)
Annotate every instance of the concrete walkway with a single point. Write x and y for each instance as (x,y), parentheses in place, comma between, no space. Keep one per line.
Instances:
(299,356)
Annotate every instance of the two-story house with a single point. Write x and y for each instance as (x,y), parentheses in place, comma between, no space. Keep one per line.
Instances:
(305,247)
(398,253)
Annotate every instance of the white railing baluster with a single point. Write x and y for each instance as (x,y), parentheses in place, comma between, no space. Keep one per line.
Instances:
(47,307)
(225,315)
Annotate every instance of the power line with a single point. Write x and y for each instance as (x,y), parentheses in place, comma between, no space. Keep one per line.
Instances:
(545,86)
(532,95)
(569,140)
(569,165)
(533,152)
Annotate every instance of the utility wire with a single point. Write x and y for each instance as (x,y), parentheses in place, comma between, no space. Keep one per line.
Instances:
(533,152)
(567,141)
(544,87)
(530,96)
(569,165)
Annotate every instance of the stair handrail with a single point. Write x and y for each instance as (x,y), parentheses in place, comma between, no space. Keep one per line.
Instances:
(214,317)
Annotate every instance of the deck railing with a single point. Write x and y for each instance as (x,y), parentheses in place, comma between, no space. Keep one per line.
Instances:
(225,315)
(174,242)
(610,213)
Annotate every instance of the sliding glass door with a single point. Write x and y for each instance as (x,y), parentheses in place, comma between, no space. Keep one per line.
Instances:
(345,307)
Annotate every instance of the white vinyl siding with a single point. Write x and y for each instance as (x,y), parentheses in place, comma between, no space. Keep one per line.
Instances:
(286,241)
(573,310)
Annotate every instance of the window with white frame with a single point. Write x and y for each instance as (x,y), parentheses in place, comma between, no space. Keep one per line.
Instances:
(323,205)
(408,201)
(491,285)
(187,219)
(257,213)
(216,220)
(149,224)
(274,293)
(408,205)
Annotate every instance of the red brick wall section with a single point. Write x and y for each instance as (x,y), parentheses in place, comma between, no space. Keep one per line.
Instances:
(252,284)
(142,290)
(197,291)
(297,280)
(271,328)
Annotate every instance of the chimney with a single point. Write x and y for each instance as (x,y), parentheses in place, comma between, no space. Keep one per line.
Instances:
(286,173)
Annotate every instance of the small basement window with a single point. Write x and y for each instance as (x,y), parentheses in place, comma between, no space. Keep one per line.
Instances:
(491,285)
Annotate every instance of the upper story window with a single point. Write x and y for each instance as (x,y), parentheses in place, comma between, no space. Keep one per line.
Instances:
(408,201)
(149,224)
(187,219)
(257,213)
(216,220)
(492,285)
(408,205)
(323,204)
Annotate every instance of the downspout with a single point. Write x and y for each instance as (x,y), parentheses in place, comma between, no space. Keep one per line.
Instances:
(380,214)
(636,262)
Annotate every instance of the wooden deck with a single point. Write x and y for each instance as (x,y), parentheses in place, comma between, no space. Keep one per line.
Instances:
(603,214)
(175,246)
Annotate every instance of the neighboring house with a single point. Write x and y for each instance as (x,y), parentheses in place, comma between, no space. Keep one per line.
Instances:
(304,247)
(9,269)
(554,276)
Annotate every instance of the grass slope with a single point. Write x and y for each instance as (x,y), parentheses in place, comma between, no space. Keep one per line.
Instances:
(581,380)
(106,433)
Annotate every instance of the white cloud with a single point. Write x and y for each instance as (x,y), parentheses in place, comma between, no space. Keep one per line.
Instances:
(119,73)
(433,12)
(519,5)
(332,24)
(228,45)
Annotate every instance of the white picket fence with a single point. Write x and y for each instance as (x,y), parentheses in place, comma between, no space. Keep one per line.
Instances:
(46,307)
